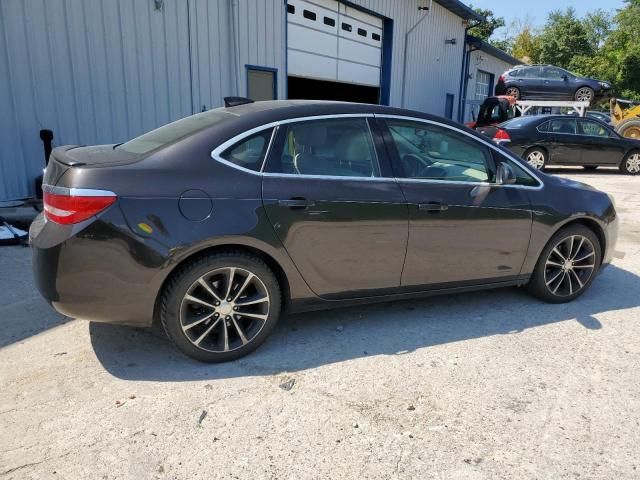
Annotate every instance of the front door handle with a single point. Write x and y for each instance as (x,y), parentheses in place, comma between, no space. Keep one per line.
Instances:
(296,203)
(433,207)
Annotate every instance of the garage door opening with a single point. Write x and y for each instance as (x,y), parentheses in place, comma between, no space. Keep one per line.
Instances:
(308,89)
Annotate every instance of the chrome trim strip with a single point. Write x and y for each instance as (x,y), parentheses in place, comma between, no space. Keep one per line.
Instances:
(330,177)
(77,192)
(510,156)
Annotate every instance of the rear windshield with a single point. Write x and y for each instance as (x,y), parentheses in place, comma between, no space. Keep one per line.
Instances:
(518,122)
(172,132)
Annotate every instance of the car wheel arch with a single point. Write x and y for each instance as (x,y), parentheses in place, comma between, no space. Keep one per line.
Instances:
(272,263)
(587,222)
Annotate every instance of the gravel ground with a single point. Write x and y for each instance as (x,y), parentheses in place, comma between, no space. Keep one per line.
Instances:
(488,385)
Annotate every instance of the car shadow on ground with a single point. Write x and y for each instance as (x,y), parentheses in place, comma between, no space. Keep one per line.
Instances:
(309,340)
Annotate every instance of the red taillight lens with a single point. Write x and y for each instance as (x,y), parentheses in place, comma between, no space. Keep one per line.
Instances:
(501,135)
(501,79)
(67,209)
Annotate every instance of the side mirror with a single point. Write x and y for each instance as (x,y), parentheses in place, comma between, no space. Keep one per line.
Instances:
(565,77)
(505,175)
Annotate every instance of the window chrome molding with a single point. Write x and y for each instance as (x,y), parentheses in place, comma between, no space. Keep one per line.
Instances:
(512,157)
(217,152)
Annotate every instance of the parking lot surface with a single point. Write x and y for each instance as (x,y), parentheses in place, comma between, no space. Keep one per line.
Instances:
(490,385)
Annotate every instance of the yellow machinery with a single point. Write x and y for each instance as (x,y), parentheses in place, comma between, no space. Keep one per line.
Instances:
(625,117)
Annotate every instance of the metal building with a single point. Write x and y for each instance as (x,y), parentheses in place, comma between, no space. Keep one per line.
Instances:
(103,71)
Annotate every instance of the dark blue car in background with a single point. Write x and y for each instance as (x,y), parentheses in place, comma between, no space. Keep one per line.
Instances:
(528,82)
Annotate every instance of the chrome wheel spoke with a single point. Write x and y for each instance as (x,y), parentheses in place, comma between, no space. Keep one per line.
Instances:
(241,334)
(206,332)
(583,266)
(568,277)
(246,283)
(559,283)
(208,288)
(554,264)
(560,272)
(557,252)
(192,299)
(252,302)
(197,322)
(577,277)
(589,255)
(225,334)
(252,315)
(231,275)
(573,256)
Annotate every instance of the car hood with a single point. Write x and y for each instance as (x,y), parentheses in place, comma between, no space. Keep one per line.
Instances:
(568,183)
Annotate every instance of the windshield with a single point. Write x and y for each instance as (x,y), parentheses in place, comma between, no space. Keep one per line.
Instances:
(172,132)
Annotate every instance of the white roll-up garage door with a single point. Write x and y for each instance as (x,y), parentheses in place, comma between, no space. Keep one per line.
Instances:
(328,40)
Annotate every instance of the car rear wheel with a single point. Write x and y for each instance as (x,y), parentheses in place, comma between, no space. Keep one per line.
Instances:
(536,157)
(221,306)
(585,94)
(631,164)
(567,265)
(513,92)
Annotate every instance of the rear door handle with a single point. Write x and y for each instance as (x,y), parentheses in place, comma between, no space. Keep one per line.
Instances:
(296,203)
(433,207)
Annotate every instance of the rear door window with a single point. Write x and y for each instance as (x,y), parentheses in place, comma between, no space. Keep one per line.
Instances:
(563,126)
(341,147)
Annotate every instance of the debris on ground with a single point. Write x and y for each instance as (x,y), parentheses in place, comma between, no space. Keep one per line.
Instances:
(288,385)
(202,417)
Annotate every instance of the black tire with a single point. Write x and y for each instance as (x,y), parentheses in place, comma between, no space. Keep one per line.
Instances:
(538,284)
(631,163)
(513,92)
(590,167)
(536,157)
(239,329)
(585,94)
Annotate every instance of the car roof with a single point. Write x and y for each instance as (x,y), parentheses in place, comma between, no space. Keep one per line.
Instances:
(256,114)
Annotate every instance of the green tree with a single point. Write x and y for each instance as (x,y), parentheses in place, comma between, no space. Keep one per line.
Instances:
(526,45)
(598,25)
(563,37)
(486,29)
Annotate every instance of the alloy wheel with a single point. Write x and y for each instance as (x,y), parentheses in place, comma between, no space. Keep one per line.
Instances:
(632,163)
(513,92)
(584,94)
(569,266)
(224,309)
(536,159)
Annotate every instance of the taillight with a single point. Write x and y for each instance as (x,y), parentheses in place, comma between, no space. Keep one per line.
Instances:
(501,135)
(67,206)
(501,79)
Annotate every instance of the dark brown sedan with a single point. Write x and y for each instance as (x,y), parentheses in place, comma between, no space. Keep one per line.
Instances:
(216,223)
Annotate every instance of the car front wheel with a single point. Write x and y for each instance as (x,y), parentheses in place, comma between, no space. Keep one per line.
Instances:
(221,306)
(567,265)
(631,164)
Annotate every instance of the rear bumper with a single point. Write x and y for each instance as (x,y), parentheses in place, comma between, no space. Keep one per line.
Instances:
(96,271)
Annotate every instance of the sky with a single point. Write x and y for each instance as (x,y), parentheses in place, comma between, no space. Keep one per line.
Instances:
(537,10)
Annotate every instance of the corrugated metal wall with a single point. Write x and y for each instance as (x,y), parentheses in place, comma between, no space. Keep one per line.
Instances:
(433,67)
(103,71)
